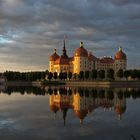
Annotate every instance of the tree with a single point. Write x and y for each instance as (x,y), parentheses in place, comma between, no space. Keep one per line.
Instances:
(70,75)
(55,75)
(138,74)
(24,76)
(64,75)
(110,94)
(86,74)
(94,74)
(120,73)
(75,76)
(101,74)
(50,75)
(133,74)
(43,74)
(61,76)
(127,73)
(81,75)
(110,73)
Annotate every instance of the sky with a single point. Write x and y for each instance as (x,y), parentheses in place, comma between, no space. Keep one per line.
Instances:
(31,29)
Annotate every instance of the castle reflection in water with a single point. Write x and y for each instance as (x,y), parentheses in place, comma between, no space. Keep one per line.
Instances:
(82,101)
(85,101)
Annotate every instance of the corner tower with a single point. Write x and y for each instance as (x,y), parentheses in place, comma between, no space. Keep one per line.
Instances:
(80,59)
(53,58)
(120,60)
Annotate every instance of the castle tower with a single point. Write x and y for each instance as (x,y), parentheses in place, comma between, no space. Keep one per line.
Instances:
(120,60)
(53,58)
(80,59)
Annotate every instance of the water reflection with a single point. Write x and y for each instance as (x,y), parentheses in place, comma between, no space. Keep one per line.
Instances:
(22,90)
(84,101)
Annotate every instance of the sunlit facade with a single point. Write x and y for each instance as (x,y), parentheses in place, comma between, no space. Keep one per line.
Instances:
(82,60)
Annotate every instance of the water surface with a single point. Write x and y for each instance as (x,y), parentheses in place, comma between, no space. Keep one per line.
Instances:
(69,113)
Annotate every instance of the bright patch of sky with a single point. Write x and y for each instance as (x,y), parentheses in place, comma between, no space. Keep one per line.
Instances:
(5,40)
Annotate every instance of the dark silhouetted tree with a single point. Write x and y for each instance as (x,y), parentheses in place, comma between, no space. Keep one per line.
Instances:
(70,75)
(110,73)
(94,74)
(86,74)
(133,74)
(120,73)
(55,76)
(81,75)
(127,73)
(101,74)
(61,76)
(50,75)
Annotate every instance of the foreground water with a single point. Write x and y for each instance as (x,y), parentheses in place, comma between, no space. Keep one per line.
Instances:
(69,113)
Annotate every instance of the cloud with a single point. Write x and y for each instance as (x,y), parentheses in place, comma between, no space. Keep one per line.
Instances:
(36,27)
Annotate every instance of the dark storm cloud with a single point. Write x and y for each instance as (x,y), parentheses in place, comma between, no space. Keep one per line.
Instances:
(30,29)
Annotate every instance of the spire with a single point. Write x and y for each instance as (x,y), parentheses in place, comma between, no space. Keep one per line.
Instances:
(64,115)
(81,121)
(81,44)
(64,44)
(119,117)
(120,48)
(54,50)
(64,51)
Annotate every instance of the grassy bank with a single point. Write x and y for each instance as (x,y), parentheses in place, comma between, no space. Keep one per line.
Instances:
(104,83)
(76,83)
(53,83)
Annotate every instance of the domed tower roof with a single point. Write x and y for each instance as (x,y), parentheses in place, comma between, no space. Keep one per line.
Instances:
(54,56)
(120,55)
(81,114)
(54,108)
(81,51)
(120,110)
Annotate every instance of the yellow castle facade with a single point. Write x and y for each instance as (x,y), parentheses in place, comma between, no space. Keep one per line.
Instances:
(82,60)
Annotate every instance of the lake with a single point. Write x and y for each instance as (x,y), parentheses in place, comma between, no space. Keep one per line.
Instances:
(60,113)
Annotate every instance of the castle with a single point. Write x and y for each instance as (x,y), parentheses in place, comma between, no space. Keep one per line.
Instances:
(82,60)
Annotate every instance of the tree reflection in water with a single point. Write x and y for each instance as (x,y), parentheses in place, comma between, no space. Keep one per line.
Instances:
(85,100)
(82,101)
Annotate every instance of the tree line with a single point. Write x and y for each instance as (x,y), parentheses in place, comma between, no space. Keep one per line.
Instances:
(24,90)
(96,93)
(25,76)
(87,75)
(93,92)
(94,74)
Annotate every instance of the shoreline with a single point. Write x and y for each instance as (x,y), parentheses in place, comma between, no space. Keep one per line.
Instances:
(22,83)
(107,84)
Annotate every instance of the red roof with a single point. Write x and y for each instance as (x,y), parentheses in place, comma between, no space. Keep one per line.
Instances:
(120,55)
(92,57)
(81,114)
(81,51)
(54,108)
(62,61)
(71,58)
(106,60)
(54,56)
(119,109)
